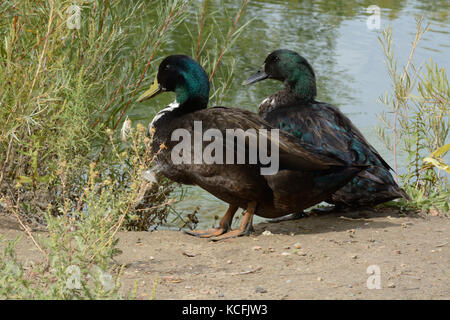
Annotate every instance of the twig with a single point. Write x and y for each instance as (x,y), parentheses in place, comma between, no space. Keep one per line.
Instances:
(228,38)
(103,17)
(28,232)
(419,33)
(394,140)
(50,21)
(8,153)
(201,29)
(224,88)
(108,105)
(441,245)
(166,25)
(246,272)
(124,213)
(162,28)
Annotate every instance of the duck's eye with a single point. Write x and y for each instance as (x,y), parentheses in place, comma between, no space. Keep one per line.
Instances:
(167,67)
(275,59)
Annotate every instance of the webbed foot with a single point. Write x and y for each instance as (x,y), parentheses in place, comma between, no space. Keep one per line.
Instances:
(232,234)
(225,224)
(213,232)
(244,229)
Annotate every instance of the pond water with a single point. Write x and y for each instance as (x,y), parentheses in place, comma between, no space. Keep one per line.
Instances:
(334,38)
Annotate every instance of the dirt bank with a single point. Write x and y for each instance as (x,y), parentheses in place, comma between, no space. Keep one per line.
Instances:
(322,257)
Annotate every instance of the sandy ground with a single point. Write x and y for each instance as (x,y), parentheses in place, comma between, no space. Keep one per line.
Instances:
(319,257)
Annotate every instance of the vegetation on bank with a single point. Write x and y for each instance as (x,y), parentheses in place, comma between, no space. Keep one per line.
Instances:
(64,94)
(416,124)
(66,86)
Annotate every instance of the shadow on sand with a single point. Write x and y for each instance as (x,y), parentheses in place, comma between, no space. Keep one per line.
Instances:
(337,221)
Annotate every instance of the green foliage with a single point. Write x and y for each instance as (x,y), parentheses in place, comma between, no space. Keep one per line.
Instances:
(64,92)
(62,88)
(417,116)
(212,42)
(80,242)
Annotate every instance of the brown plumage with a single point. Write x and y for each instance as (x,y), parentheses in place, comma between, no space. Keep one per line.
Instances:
(306,175)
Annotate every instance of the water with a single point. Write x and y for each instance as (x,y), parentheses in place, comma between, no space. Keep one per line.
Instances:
(345,54)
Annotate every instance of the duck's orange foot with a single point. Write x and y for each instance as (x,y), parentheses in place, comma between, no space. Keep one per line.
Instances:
(244,229)
(225,224)
(213,232)
(232,234)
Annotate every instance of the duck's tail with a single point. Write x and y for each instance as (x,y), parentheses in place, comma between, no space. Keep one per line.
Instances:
(401,193)
(394,189)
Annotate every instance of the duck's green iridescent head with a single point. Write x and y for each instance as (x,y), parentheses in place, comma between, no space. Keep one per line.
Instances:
(184,76)
(291,68)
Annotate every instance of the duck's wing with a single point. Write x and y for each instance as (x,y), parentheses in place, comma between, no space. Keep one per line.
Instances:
(345,123)
(325,127)
(292,154)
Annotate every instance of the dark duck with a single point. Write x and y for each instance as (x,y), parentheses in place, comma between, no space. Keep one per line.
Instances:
(295,111)
(306,175)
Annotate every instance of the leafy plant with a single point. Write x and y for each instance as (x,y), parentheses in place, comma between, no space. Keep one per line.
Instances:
(66,86)
(80,242)
(418,120)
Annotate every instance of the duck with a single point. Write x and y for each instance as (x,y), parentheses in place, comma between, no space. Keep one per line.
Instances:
(294,110)
(304,175)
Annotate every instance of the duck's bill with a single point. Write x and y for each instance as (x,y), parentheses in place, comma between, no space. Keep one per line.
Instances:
(154,90)
(260,75)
